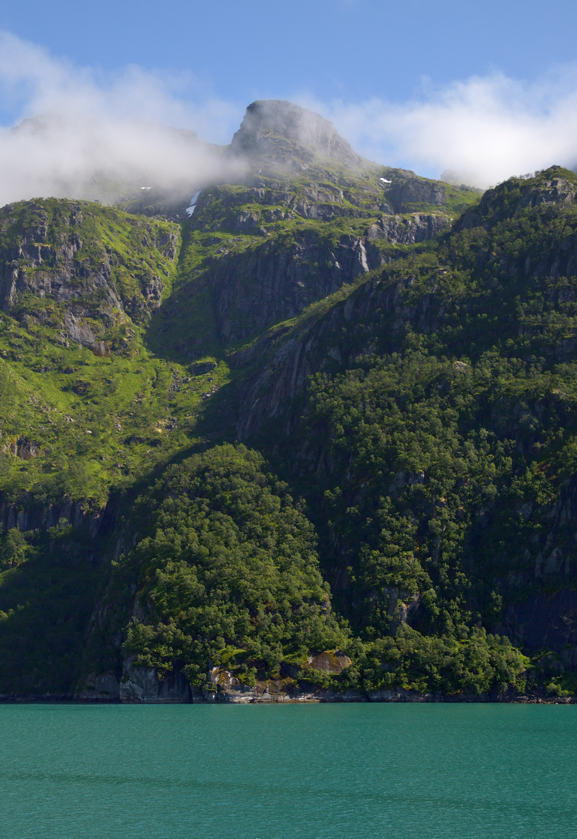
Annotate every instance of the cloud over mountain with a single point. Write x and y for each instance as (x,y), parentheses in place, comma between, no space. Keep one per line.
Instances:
(487,128)
(80,132)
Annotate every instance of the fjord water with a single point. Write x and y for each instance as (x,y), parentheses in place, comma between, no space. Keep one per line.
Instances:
(313,771)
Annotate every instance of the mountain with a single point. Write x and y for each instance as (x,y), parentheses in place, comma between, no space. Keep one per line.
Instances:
(287,137)
(313,438)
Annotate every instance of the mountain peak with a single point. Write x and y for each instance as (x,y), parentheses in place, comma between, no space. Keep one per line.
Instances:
(269,124)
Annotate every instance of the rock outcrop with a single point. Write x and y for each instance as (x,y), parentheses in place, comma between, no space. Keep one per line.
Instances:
(290,136)
(406,193)
(292,359)
(99,687)
(31,516)
(143,685)
(63,258)
(403,230)
(554,186)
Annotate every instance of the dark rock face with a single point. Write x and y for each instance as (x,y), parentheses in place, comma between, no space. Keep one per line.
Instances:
(271,283)
(413,191)
(268,125)
(556,558)
(543,620)
(41,517)
(267,394)
(142,684)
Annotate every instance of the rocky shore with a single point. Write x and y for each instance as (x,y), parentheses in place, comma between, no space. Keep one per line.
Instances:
(276,692)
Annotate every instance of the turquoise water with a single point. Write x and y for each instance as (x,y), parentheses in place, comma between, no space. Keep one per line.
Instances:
(313,771)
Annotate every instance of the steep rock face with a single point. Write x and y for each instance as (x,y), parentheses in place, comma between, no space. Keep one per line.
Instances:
(291,361)
(42,517)
(274,280)
(414,190)
(138,685)
(142,685)
(271,283)
(76,264)
(556,558)
(544,621)
(547,618)
(399,230)
(270,129)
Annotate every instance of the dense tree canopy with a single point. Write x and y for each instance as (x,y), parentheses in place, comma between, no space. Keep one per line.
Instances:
(230,570)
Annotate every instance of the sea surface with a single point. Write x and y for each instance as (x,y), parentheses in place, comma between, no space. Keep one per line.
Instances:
(278,772)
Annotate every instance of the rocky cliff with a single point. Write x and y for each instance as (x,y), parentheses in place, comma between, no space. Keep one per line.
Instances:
(289,137)
(77,267)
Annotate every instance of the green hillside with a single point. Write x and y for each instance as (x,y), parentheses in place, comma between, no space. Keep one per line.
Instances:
(320,434)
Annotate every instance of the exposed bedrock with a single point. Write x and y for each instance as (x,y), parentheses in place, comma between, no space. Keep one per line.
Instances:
(271,283)
(271,128)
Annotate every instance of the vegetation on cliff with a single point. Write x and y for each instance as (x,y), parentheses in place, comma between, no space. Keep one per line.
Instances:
(406,395)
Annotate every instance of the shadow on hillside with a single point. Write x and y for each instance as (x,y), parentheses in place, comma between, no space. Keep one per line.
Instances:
(183,329)
(47,603)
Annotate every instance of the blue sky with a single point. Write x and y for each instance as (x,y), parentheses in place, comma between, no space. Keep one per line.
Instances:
(484,88)
(330,48)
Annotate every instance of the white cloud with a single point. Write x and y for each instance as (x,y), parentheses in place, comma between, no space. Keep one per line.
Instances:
(115,127)
(487,128)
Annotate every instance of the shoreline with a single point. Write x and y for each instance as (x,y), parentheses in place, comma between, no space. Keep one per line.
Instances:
(300,697)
